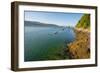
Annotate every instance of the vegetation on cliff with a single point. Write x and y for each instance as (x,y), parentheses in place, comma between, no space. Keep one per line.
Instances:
(84,22)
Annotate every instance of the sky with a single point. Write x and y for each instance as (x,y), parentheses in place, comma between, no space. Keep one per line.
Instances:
(58,18)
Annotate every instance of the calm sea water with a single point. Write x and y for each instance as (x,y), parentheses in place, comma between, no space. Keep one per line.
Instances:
(46,43)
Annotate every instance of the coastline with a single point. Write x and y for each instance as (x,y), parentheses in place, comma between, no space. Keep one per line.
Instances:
(80,47)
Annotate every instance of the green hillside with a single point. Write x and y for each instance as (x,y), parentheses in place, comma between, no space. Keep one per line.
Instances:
(84,22)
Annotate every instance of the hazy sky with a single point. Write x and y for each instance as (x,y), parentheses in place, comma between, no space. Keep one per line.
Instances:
(58,18)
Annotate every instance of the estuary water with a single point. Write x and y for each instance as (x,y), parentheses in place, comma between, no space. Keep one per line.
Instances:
(46,43)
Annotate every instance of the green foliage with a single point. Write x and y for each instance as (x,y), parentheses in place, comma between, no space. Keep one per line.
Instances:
(84,22)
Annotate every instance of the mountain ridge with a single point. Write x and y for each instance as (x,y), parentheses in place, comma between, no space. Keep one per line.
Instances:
(36,23)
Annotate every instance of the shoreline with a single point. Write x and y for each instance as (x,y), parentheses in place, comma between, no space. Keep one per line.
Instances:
(80,47)
(82,30)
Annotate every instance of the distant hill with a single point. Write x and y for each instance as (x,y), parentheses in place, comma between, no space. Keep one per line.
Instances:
(84,22)
(37,24)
